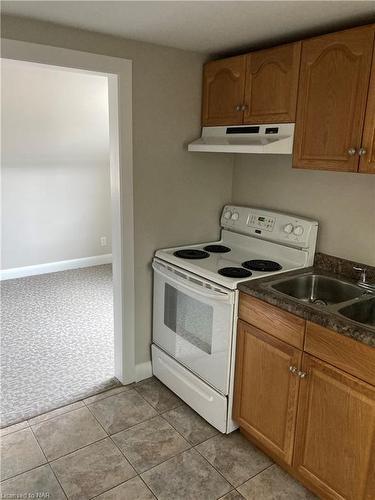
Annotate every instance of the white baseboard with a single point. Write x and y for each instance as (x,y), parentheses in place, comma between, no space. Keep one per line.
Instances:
(52,267)
(143,370)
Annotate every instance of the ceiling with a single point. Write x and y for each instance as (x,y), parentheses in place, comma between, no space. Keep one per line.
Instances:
(211,27)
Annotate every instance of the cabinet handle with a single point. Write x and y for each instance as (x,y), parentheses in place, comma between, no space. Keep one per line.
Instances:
(296,371)
(244,107)
(362,151)
(238,107)
(352,151)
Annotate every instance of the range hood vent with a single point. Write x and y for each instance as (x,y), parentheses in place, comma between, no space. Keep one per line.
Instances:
(258,139)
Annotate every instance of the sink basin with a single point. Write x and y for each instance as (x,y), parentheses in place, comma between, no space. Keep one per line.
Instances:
(362,312)
(317,289)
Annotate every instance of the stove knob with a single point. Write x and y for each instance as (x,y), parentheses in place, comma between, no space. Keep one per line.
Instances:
(227,214)
(288,228)
(298,230)
(235,216)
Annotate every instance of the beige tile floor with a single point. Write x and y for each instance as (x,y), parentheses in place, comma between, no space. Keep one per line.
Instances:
(138,442)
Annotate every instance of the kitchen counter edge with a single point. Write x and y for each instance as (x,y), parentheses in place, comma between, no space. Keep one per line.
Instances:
(259,289)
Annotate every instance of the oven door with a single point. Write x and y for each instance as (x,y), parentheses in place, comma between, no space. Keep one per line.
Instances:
(192,321)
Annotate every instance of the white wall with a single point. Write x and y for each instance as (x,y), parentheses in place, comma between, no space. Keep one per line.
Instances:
(55,165)
(342,202)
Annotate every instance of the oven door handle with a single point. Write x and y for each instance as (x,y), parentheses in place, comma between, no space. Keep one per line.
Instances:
(221,296)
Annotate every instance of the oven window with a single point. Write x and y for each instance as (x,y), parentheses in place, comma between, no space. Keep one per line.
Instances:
(189,318)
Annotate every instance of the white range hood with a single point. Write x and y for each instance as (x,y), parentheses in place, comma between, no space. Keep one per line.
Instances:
(259,139)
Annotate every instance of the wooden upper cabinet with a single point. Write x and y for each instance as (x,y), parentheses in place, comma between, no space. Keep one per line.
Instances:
(266,391)
(334,80)
(335,437)
(367,157)
(223,91)
(271,84)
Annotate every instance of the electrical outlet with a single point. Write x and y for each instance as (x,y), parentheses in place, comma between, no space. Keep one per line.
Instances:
(103,241)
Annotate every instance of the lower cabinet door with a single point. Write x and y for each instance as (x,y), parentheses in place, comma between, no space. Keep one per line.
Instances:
(335,437)
(266,389)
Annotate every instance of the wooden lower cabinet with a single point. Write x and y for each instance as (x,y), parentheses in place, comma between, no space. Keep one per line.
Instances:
(335,438)
(266,391)
(316,420)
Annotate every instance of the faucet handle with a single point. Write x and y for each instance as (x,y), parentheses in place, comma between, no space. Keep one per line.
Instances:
(363,271)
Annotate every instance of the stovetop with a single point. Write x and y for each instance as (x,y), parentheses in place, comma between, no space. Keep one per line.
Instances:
(213,264)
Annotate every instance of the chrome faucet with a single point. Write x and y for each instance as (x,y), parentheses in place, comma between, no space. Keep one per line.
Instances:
(363,279)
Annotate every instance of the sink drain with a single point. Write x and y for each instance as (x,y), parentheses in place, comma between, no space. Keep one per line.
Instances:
(319,302)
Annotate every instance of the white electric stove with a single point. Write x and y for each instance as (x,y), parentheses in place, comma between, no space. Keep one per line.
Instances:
(196,299)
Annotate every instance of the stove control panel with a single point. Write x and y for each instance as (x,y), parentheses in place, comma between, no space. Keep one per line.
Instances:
(268,225)
(261,222)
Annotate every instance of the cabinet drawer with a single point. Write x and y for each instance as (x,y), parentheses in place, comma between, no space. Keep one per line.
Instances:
(350,355)
(271,319)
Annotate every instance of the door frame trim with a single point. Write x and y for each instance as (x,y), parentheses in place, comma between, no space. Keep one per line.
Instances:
(119,74)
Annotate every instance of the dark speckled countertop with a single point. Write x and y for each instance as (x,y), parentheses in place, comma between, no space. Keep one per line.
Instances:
(324,265)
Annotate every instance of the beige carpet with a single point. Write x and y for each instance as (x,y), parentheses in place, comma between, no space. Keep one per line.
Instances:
(56,340)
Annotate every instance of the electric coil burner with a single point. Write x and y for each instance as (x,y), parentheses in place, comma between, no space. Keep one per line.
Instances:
(234,272)
(262,265)
(217,249)
(191,253)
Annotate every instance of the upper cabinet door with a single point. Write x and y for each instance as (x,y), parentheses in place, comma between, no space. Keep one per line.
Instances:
(271,84)
(223,91)
(334,80)
(367,152)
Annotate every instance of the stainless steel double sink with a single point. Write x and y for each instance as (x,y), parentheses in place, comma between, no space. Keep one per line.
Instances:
(331,294)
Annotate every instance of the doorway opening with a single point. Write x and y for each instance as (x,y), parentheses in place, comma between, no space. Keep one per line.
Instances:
(66,333)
